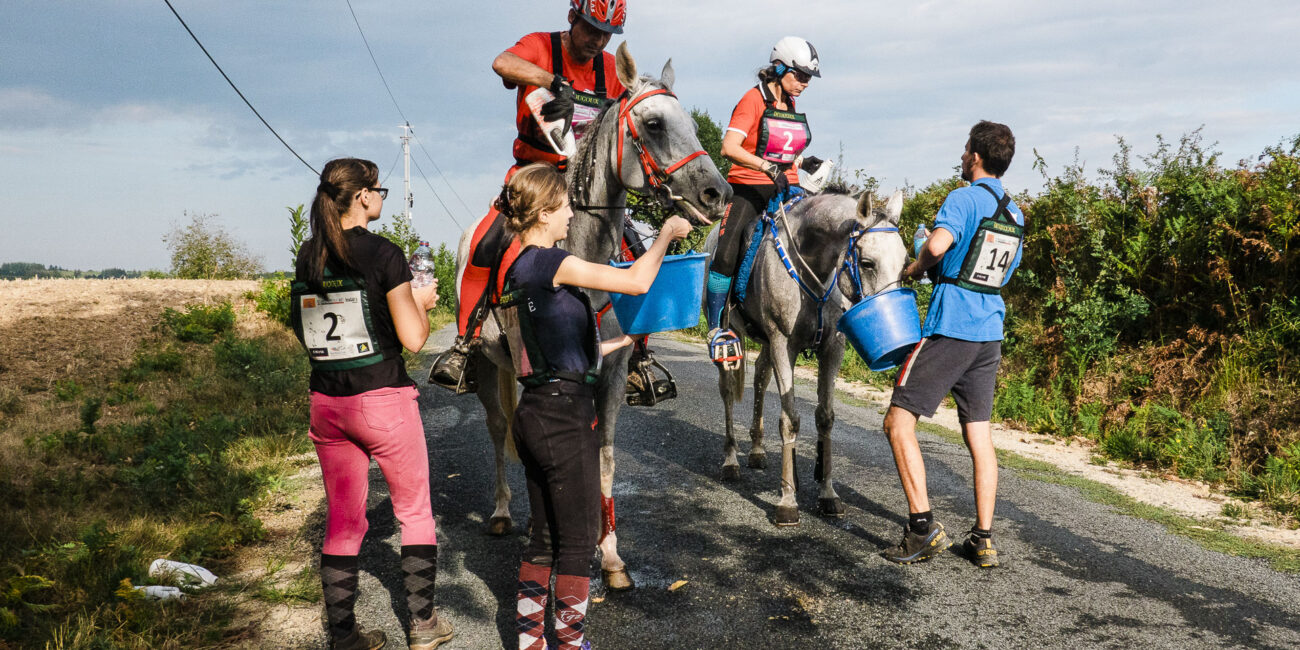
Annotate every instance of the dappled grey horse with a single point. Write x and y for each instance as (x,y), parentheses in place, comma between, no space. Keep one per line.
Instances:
(818,235)
(645,143)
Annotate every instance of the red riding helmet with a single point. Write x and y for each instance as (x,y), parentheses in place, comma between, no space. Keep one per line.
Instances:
(605,15)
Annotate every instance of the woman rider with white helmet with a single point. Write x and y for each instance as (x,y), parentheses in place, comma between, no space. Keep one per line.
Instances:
(764,141)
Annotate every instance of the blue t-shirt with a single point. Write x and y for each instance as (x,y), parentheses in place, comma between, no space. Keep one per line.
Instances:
(562,321)
(955,312)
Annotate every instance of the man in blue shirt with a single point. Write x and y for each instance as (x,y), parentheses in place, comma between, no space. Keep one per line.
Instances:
(977,244)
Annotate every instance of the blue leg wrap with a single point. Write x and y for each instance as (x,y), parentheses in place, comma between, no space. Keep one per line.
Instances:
(716,297)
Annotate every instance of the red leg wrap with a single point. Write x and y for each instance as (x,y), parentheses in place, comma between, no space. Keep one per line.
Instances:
(607,516)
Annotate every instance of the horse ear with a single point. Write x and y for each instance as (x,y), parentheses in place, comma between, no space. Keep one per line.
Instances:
(625,66)
(667,77)
(894,208)
(865,209)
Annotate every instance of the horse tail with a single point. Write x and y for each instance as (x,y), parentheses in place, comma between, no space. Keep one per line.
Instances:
(509,402)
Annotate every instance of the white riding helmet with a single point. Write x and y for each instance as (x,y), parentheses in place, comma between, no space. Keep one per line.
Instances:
(796,53)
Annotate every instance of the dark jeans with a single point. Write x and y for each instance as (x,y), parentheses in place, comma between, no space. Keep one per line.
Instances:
(748,201)
(554,430)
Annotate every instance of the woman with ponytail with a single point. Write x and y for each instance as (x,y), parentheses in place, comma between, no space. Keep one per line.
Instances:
(354,310)
(556,349)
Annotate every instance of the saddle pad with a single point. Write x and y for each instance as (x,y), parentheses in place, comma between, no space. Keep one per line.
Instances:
(747,263)
(490,248)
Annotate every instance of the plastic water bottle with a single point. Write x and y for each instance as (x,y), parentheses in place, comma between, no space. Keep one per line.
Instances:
(918,240)
(184,574)
(422,266)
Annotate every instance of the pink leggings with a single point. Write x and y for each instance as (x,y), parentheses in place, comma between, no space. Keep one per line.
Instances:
(347,431)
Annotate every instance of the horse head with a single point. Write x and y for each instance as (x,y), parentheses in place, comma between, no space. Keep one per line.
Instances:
(880,251)
(659,153)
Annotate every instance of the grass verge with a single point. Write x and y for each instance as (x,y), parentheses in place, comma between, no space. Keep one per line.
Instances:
(171,457)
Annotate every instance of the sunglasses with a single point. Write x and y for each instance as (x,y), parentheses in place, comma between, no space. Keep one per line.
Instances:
(801,76)
(382,191)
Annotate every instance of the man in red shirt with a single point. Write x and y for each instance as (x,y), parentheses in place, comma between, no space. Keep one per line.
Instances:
(581,75)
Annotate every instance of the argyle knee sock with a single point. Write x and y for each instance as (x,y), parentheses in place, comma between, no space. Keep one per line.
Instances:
(338,577)
(530,612)
(420,569)
(570,610)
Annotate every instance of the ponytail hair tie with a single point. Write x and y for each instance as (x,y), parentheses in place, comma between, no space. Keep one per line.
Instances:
(503,202)
(328,188)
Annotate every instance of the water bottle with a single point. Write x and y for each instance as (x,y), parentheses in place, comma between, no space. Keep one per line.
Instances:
(422,266)
(184,574)
(918,240)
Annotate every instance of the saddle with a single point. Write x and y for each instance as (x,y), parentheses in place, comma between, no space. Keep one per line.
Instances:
(493,249)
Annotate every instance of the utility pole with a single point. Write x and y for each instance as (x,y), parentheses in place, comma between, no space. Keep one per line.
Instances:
(406,176)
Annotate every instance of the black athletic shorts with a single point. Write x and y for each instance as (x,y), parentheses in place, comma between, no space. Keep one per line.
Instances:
(939,365)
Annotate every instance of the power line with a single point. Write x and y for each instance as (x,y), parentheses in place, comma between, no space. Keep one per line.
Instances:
(232,85)
(376,62)
(408,123)
(394,166)
(435,194)
(444,178)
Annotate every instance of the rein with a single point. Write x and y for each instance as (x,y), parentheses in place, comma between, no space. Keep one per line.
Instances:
(850,262)
(655,175)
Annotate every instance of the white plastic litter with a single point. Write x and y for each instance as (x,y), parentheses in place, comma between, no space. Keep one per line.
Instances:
(185,575)
(158,592)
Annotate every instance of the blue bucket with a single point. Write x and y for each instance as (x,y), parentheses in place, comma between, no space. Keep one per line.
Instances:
(673,301)
(883,328)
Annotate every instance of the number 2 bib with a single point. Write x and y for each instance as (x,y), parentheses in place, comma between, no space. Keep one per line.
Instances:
(994,247)
(782,136)
(335,326)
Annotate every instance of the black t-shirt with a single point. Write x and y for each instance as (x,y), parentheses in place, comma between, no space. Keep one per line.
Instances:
(562,318)
(383,267)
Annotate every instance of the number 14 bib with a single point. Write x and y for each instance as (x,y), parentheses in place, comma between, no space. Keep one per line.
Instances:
(992,249)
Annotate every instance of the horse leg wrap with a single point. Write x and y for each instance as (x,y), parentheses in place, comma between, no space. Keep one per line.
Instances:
(607,517)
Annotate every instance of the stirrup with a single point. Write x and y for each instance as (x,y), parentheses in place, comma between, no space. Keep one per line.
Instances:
(643,388)
(725,349)
(450,369)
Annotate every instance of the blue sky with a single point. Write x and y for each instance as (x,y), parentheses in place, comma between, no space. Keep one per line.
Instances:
(113,125)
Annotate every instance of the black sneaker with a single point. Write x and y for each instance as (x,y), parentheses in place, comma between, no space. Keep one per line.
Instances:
(980,551)
(918,548)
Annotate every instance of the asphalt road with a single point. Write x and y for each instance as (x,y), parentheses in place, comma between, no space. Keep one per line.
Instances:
(1075,573)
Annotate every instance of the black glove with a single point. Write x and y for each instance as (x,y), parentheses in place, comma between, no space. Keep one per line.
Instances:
(560,108)
(811,164)
(778,177)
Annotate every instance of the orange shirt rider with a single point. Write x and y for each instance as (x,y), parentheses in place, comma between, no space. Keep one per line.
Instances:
(782,136)
(539,49)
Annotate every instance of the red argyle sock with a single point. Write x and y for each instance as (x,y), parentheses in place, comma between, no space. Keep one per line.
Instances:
(530,611)
(570,609)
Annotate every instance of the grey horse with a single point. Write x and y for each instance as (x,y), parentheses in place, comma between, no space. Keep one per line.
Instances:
(778,314)
(598,186)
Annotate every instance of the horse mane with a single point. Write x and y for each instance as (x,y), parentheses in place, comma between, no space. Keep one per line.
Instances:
(580,163)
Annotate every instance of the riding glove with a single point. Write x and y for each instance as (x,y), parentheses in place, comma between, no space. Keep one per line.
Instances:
(560,108)
(778,177)
(811,164)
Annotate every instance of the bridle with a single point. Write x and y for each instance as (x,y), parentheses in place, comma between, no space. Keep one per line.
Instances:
(656,175)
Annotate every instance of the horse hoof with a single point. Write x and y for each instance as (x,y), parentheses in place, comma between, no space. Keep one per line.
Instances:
(499,526)
(833,508)
(786,516)
(619,580)
(758,461)
(731,472)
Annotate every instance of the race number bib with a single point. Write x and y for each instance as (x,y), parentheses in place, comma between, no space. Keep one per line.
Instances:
(992,252)
(783,136)
(586,108)
(335,326)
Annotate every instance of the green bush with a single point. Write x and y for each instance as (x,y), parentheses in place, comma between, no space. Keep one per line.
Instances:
(202,250)
(272,298)
(199,323)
